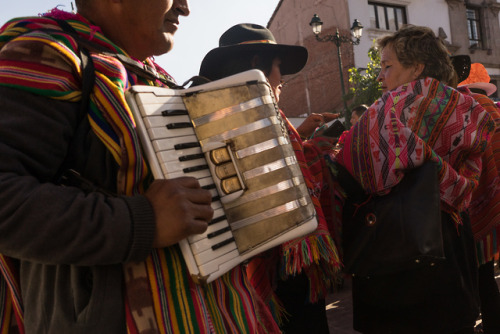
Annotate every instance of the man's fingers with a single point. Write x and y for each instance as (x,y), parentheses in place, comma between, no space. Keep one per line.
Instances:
(188,182)
(199,196)
(328,116)
(204,213)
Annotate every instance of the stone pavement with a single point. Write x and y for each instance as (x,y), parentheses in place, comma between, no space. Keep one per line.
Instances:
(339,308)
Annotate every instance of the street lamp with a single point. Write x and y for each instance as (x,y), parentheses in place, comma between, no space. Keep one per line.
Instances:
(356,30)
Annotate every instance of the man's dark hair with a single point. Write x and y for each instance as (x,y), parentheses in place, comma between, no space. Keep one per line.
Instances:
(80,4)
(359,110)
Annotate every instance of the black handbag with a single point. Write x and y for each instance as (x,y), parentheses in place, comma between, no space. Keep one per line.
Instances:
(394,232)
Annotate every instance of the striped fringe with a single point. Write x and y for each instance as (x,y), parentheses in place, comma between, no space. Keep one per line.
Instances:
(322,260)
(278,310)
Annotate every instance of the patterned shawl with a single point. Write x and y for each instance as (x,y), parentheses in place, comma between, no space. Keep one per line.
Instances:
(485,206)
(159,289)
(418,121)
(316,253)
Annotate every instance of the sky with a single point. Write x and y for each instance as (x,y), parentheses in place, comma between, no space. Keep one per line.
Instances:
(198,33)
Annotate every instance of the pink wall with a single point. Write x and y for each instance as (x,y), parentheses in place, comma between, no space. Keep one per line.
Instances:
(317,87)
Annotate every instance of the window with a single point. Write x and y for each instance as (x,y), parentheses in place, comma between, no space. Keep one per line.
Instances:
(474,28)
(386,17)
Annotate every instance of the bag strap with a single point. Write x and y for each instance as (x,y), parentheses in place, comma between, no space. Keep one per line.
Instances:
(196,81)
(353,190)
(83,127)
(88,69)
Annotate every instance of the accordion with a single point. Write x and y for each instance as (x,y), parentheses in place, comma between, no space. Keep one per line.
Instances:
(230,136)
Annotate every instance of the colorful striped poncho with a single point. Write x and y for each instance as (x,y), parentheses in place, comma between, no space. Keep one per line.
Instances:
(418,121)
(485,206)
(174,303)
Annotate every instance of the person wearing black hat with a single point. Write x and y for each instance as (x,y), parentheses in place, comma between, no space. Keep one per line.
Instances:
(246,46)
(462,66)
(241,43)
(251,46)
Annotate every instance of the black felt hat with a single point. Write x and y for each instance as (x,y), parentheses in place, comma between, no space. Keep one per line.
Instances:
(461,64)
(248,37)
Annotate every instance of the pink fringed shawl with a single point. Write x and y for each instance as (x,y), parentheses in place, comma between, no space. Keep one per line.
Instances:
(418,121)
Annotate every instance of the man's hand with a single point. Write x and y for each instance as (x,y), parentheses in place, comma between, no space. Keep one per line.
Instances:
(314,121)
(181,209)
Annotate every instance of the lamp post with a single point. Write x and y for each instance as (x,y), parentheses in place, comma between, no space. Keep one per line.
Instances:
(356,30)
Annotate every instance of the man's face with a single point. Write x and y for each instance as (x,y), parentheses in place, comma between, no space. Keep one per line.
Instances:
(150,25)
(354,118)
(274,78)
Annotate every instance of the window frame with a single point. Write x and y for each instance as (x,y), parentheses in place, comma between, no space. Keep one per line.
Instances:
(385,7)
(475,27)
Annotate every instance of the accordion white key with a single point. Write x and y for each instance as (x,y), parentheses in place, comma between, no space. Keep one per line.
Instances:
(230,136)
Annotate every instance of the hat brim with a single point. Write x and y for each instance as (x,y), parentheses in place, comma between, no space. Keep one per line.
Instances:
(489,88)
(293,57)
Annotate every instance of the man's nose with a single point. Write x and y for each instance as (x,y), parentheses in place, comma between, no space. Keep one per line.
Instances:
(182,7)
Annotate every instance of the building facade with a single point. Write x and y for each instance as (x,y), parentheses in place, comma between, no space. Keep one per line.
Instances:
(468,27)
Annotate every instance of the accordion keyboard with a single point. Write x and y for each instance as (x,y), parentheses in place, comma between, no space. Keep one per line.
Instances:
(178,153)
